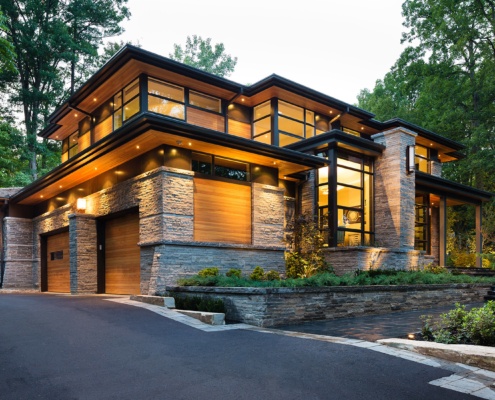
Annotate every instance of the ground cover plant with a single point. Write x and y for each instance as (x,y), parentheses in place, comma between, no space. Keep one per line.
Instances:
(358,278)
(459,326)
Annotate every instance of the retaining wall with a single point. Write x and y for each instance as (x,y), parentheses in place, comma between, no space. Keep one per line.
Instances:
(280,306)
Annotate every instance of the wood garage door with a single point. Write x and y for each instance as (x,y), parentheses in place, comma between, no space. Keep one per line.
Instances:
(58,263)
(122,255)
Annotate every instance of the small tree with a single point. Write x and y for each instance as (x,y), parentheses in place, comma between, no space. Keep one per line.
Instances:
(306,257)
(200,53)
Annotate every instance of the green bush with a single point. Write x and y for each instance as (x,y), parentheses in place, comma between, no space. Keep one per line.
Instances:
(435,269)
(459,326)
(213,271)
(258,274)
(272,276)
(198,303)
(234,273)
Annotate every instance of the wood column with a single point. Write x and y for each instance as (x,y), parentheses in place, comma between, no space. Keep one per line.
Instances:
(442,245)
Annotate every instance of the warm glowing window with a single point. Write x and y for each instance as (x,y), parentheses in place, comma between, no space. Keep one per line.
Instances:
(294,123)
(422,159)
(262,125)
(126,104)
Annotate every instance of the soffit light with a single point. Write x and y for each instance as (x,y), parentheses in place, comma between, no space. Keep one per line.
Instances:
(81,204)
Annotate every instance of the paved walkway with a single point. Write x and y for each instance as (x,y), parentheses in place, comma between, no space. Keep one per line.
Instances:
(372,327)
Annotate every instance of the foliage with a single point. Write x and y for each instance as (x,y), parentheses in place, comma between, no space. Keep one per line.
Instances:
(205,272)
(234,273)
(306,242)
(272,276)
(445,81)
(198,303)
(258,274)
(361,278)
(200,53)
(7,54)
(55,45)
(434,269)
(460,326)
(488,260)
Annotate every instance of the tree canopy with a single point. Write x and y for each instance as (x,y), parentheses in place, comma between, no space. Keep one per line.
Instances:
(445,81)
(6,49)
(55,45)
(200,53)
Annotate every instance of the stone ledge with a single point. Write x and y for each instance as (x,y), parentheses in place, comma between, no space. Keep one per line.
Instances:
(209,318)
(479,356)
(168,302)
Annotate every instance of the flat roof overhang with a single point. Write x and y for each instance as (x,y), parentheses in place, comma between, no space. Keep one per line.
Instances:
(443,187)
(338,139)
(146,132)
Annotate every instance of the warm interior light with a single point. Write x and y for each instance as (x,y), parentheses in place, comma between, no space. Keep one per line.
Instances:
(81,204)
(230,107)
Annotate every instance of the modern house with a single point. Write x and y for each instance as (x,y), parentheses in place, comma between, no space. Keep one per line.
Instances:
(167,169)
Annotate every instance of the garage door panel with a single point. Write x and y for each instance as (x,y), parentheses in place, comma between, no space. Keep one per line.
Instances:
(122,255)
(58,263)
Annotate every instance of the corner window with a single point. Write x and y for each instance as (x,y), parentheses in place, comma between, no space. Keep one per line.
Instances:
(294,123)
(262,124)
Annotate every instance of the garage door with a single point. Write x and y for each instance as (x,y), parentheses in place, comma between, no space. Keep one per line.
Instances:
(122,255)
(58,263)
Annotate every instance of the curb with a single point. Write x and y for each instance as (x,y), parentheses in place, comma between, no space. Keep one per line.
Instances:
(476,356)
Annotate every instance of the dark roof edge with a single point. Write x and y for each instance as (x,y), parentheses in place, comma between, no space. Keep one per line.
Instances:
(462,191)
(147,121)
(284,83)
(424,133)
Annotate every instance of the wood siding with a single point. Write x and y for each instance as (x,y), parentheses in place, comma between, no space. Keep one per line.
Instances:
(222,212)
(58,269)
(205,119)
(122,255)
(241,129)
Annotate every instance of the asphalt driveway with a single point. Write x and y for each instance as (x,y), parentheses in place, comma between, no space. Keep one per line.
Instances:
(64,347)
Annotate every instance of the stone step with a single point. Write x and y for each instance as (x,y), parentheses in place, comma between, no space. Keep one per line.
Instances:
(168,302)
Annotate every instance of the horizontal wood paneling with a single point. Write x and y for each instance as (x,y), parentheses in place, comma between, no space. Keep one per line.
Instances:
(122,255)
(103,128)
(205,119)
(58,271)
(222,212)
(241,129)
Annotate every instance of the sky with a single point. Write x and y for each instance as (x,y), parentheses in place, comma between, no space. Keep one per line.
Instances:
(333,46)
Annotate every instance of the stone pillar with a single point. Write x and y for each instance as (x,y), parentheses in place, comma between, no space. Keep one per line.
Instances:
(436,168)
(394,191)
(308,195)
(18,256)
(268,215)
(83,254)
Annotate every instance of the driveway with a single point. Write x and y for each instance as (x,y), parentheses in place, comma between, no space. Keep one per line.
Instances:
(87,347)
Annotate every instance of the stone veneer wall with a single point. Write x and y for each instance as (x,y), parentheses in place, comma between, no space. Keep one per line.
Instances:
(18,257)
(281,306)
(394,191)
(165,200)
(350,259)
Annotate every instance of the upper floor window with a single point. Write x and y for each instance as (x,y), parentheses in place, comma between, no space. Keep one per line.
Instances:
(166,99)
(262,123)
(422,159)
(204,101)
(126,104)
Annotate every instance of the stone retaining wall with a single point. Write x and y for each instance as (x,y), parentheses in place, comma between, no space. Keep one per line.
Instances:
(280,306)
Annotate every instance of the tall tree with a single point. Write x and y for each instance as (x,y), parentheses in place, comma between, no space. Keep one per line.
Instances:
(200,53)
(445,81)
(51,37)
(6,49)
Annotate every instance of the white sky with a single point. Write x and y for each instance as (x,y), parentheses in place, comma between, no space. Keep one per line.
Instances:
(337,47)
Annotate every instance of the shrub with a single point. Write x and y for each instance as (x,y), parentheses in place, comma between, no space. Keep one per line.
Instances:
(213,271)
(198,303)
(272,276)
(435,269)
(306,241)
(459,326)
(258,274)
(234,273)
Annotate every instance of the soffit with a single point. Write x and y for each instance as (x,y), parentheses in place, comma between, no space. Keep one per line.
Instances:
(141,144)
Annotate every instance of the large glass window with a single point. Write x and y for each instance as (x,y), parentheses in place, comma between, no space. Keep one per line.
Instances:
(166,99)
(204,101)
(345,210)
(220,167)
(294,123)
(422,159)
(421,223)
(262,125)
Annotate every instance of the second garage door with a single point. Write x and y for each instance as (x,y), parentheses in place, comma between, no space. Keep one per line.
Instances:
(58,263)
(122,255)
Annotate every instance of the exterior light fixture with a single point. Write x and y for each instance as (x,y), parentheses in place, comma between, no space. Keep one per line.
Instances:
(410,159)
(81,204)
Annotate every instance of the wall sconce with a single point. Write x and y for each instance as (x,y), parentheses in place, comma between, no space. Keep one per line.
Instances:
(81,204)
(410,159)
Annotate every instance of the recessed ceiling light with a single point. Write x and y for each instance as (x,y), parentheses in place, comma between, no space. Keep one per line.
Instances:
(190,144)
(94,99)
(243,99)
(137,147)
(41,196)
(75,115)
